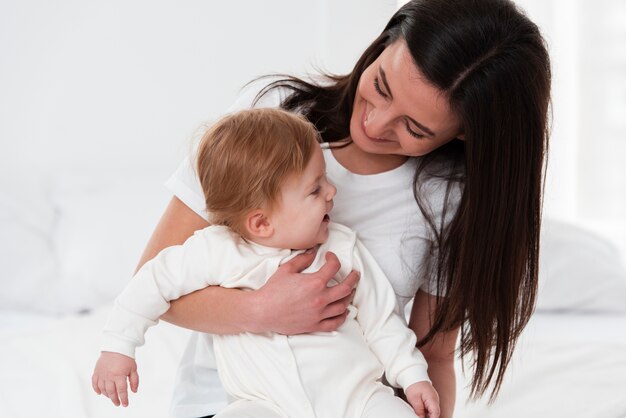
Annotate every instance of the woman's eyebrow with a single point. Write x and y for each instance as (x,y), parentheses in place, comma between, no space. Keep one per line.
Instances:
(383,77)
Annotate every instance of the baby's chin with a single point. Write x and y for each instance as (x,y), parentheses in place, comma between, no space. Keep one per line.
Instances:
(313,245)
(314,242)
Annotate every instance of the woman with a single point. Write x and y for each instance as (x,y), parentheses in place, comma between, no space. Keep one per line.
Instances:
(450,104)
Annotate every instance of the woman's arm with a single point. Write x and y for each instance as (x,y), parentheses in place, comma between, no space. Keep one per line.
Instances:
(439,352)
(290,302)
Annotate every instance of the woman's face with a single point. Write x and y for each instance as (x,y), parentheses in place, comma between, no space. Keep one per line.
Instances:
(396,111)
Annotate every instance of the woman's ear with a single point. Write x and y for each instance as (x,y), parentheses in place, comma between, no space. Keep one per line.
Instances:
(258,224)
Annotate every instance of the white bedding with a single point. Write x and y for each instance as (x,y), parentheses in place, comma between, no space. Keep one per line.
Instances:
(46,365)
(558,371)
(566,366)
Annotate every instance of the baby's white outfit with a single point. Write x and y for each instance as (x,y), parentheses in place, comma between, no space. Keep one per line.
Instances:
(326,374)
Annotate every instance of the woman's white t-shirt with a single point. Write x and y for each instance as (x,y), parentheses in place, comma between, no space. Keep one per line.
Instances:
(382,210)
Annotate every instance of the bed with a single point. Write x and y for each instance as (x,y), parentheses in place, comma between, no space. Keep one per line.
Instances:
(63,263)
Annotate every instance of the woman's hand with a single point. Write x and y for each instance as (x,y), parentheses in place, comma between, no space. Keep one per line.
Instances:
(289,303)
(292,302)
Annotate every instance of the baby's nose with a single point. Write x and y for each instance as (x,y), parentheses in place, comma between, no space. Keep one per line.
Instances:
(331,192)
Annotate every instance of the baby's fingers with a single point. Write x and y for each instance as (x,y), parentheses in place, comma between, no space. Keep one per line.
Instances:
(111,392)
(432,405)
(94,384)
(102,387)
(418,407)
(122,390)
(134,381)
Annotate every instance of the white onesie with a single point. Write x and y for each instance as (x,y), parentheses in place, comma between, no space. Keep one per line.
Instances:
(325,374)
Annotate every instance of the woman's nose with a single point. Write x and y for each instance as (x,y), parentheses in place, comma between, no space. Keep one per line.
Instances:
(376,122)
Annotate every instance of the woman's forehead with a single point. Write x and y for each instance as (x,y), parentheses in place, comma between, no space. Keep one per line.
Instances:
(412,92)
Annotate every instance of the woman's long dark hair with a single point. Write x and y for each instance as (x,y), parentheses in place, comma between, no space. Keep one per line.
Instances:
(491,62)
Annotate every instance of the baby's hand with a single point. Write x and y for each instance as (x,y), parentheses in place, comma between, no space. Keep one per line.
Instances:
(424,399)
(109,377)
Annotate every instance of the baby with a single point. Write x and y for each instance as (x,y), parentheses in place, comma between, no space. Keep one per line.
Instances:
(263,175)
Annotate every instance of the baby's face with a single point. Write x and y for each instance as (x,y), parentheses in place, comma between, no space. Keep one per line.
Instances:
(300,218)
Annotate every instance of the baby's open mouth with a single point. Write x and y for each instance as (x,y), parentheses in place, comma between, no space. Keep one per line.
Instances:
(326,218)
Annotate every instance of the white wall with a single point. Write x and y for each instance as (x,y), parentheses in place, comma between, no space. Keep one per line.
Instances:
(89,83)
(99,102)
(586,182)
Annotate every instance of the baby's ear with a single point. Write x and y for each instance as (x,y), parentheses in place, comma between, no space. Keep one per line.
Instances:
(258,224)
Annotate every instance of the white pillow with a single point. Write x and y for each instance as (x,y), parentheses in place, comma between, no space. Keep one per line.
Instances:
(70,241)
(27,262)
(104,222)
(579,271)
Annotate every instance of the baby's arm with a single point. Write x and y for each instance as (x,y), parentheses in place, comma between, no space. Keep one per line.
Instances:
(389,337)
(174,272)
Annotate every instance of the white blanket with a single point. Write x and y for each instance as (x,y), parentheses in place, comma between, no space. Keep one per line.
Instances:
(566,365)
(45,368)
(557,371)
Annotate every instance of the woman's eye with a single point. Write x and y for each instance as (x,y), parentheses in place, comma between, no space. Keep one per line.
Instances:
(378,89)
(413,133)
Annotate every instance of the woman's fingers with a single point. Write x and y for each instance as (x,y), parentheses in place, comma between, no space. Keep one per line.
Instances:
(338,307)
(334,300)
(299,303)
(330,268)
(345,288)
(338,297)
(299,262)
(335,314)
(331,324)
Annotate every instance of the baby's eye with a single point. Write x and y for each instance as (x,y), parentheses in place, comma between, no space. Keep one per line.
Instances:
(316,191)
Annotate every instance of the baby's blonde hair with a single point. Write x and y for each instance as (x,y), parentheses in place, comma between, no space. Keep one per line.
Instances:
(244,158)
